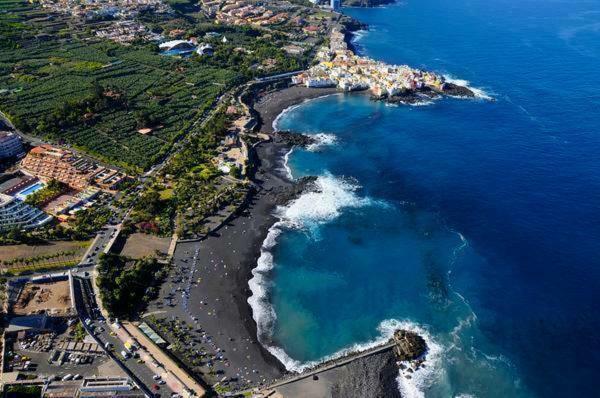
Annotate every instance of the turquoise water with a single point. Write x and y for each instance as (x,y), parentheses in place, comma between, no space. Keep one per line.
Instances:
(475,222)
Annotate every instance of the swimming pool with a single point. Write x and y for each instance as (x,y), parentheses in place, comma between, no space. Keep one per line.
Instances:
(29,190)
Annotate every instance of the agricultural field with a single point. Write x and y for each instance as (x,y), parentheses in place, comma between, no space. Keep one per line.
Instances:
(53,76)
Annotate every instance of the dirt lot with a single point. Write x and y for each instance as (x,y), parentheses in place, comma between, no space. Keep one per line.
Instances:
(11,252)
(35,297)
(51,255)
(140,245)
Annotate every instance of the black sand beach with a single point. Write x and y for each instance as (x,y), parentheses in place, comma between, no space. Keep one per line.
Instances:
(218,298)
(272,104)
(217,301)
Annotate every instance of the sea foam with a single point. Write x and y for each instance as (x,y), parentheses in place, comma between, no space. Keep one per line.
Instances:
(479,92)
(321,205)
(421,379)
(322,140)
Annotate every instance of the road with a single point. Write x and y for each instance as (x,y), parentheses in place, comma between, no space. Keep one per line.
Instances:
(142,371)
(112,341)
(99,245)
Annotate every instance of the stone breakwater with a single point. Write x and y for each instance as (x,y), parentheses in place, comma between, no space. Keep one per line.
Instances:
(373,372)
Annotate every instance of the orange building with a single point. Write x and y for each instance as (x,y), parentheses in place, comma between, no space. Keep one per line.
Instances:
(48,162)
(54,163)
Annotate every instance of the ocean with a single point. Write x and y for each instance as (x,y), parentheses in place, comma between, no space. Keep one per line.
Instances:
(475,222)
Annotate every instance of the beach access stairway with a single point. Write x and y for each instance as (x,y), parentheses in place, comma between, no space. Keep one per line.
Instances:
(332,364)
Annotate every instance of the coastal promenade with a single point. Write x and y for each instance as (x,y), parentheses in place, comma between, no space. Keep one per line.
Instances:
(177,378)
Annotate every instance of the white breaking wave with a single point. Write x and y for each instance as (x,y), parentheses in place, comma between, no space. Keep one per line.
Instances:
(321,205)
(311,209)
(287,168)
(358,35)
(275,123)
(283,112)
(422,103)
(322,140)
(479,92)
(421,379)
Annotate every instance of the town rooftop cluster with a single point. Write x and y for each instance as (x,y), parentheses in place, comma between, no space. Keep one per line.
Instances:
(340,67)
(97,9)
(240,12)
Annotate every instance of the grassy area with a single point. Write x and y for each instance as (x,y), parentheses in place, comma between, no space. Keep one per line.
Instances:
(18,391)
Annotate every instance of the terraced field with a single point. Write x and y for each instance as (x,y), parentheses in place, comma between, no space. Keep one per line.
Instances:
(47,62)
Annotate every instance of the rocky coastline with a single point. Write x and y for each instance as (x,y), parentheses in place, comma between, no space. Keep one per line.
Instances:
(411,97)
(374,375)
(366,3)
(294,139)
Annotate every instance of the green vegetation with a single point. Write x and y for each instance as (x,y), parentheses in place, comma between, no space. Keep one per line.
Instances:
(53,88)
(30,269)
(19,391)
(87,221)
(126,285)
(177,333)
(83,226)
(66,85)
(79,332)
(46,194)
(43,259)
(199,190)
(153,212)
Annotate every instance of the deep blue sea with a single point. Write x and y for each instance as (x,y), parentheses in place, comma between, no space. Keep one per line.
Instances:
(475,222)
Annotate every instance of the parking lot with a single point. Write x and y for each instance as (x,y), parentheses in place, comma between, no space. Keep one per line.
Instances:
(97,325)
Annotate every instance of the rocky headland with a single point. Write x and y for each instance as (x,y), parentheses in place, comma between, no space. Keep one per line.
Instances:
(366,3)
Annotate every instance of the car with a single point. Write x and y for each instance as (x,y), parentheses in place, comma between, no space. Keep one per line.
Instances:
(156,377)
(161,382)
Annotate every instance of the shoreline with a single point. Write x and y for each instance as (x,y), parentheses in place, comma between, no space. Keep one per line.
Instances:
(217,303)
(219,292)
(272,104)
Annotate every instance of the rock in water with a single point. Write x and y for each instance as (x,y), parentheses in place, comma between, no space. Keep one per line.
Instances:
(366,3)
(409,345)
(456,90)
(284,195)
(294,139)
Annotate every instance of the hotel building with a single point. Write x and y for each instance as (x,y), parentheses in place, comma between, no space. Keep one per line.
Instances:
(17,214)
(10,145)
